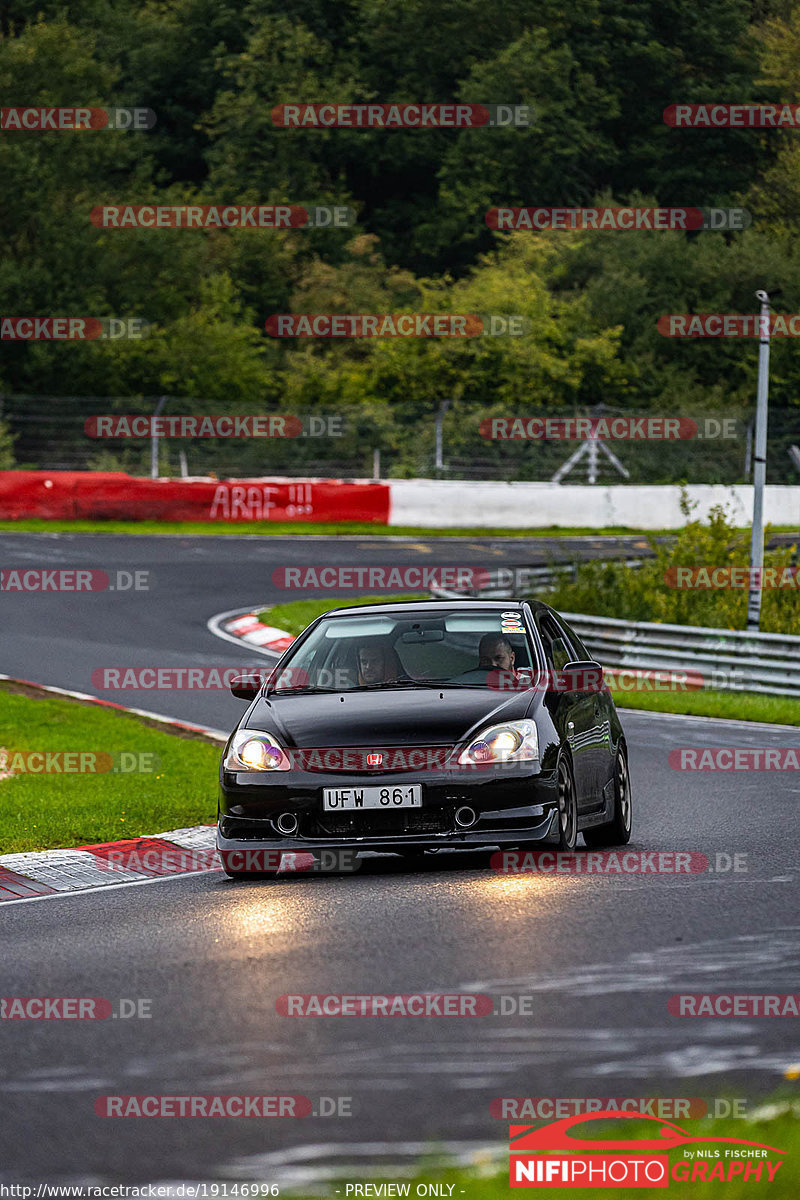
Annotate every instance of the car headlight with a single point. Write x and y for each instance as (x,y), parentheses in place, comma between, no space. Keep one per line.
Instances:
(256,750)
(514,741)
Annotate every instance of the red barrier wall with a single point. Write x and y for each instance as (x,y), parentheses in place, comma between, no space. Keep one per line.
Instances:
(106,495)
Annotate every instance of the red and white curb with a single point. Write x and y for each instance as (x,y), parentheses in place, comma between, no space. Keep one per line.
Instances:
(250,629)
(48,872)
(245,627)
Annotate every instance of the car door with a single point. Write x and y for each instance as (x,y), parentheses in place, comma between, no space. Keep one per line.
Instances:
(604,710)
(573,712)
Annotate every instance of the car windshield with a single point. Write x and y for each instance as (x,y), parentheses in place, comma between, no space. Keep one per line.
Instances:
(436,648)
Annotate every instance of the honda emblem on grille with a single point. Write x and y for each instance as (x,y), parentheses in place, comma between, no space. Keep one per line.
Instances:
(374,760)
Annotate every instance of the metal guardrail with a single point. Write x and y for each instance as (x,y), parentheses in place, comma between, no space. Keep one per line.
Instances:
(726,659)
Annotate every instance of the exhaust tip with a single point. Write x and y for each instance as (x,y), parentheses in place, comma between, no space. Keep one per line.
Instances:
(465,816)
(287,823)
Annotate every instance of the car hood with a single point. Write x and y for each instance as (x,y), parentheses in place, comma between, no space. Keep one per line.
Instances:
(418,717)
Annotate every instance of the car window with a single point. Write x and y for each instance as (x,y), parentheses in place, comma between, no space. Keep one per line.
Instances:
(583,653)
(440,645)
(439,660)
(558,647)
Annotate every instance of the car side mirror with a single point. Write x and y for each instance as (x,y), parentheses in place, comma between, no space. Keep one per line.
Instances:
(585,675)
(247,686)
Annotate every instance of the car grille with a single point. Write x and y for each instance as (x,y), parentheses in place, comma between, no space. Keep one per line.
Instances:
(381,824)
(355,760)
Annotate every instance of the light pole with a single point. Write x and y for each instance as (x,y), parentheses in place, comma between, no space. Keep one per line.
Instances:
(443,407)
(162,400)
(759,468)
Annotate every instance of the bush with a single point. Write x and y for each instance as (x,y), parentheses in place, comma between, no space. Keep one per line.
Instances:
(642,593)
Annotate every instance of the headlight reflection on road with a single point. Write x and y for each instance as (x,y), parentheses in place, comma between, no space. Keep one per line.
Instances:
(503,887)
(259,910)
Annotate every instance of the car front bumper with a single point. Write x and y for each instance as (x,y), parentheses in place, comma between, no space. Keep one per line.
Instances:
(512,805)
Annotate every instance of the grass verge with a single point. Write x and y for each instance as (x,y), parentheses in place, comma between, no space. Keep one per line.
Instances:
(294,617)
(329,529)
(307,528)
(162,781)
(738,706)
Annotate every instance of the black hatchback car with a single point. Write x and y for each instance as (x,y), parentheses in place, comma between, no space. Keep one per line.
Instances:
(413,726)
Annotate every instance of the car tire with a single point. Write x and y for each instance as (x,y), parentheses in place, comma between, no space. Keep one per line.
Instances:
(567,807)
(617,831)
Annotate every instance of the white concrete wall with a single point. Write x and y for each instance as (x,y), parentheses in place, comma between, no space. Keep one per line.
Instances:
(436,504)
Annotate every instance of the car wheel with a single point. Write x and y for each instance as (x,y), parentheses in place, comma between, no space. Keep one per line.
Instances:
(567,807)
(617,831)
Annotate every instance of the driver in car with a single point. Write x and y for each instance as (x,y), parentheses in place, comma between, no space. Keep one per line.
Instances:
(378,663)
(496,651)
(495,655)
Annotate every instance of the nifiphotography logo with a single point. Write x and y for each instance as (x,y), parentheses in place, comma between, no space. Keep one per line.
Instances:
(550,1156)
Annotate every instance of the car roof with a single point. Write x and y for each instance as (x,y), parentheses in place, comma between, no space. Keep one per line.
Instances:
(415,606)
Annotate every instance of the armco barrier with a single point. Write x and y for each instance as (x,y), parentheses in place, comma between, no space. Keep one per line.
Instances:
(71,495)
(730,659)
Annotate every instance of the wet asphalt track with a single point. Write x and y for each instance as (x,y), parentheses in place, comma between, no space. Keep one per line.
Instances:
(599,956)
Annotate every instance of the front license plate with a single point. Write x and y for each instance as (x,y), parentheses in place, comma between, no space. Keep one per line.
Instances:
(386,798)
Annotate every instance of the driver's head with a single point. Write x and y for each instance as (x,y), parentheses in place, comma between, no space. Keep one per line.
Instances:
(496,651)
(372,663)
